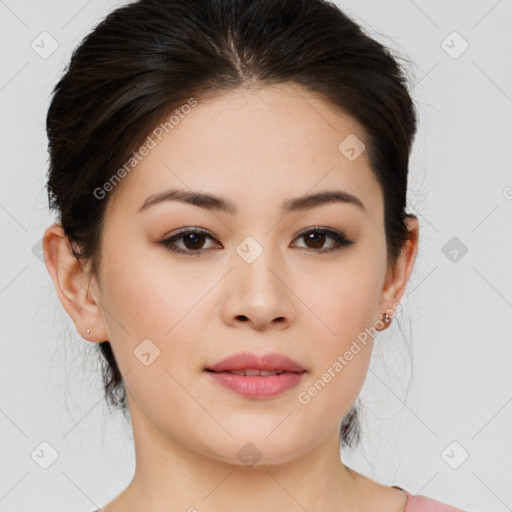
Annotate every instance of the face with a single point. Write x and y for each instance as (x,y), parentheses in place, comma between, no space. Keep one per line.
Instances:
(183,286)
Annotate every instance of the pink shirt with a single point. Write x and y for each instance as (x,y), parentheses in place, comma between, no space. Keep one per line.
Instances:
(420,503)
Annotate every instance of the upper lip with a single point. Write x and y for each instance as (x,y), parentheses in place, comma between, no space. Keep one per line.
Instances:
(246,361)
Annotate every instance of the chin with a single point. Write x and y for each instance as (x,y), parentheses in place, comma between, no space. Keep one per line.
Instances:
(256,449)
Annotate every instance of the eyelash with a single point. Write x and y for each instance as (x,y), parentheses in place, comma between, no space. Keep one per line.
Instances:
(338,236)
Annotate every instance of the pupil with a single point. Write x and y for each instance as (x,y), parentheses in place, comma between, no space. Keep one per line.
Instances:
(318,243)
(192,238)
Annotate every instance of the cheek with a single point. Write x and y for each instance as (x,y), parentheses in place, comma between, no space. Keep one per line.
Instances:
(151,298)
(345,304)
(156,339)
(154,322)
(345,299)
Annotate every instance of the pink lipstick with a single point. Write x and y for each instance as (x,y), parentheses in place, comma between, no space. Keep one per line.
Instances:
(256,376)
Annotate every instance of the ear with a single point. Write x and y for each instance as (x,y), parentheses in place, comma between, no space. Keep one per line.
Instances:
(398,276)
(72,284)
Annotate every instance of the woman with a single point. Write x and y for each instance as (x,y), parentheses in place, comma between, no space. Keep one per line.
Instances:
(230,178)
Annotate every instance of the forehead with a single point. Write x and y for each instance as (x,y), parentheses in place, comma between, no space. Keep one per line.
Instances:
(265,142)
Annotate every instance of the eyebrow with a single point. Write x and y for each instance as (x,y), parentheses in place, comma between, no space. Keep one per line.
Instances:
(217,203)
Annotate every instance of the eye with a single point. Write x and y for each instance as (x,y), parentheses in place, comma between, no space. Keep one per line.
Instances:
(316,237)
(193,240)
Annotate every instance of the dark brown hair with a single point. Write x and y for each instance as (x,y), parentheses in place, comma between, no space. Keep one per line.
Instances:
(148,58)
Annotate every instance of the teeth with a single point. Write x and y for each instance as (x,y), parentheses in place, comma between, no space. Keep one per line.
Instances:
(252,372)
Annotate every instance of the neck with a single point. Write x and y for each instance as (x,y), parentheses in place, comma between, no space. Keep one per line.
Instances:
(171,477)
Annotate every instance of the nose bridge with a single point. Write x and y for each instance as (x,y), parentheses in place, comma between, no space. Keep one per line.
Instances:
(258,264)
(257,290)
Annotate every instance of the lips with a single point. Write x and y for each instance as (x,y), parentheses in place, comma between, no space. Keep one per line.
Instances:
(253,365)
(257,377)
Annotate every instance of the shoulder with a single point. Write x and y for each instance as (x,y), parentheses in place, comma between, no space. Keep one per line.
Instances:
(420,503)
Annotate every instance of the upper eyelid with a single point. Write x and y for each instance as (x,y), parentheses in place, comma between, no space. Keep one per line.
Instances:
(206,232)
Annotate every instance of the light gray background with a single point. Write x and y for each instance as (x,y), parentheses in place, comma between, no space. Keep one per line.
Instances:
(457,316)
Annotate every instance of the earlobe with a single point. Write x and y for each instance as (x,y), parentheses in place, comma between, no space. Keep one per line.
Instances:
(71,282)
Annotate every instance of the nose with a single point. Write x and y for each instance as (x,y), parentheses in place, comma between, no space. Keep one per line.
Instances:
(259,294)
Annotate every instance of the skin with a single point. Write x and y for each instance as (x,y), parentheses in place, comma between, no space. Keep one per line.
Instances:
(271,144)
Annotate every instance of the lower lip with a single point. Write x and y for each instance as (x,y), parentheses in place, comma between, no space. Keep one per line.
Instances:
(257,386)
